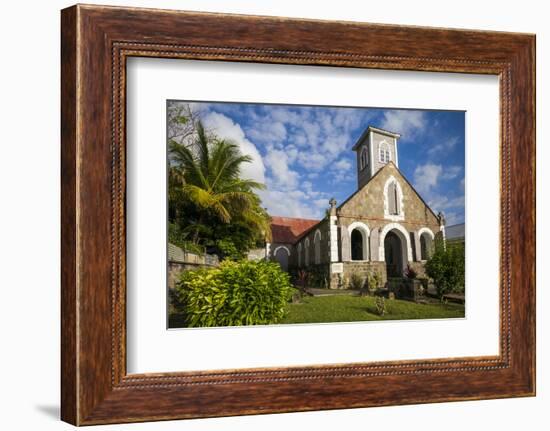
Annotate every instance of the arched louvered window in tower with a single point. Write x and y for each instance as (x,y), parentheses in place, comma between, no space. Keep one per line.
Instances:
(364,161)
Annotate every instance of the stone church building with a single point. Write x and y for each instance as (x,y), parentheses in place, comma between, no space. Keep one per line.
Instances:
(384,226)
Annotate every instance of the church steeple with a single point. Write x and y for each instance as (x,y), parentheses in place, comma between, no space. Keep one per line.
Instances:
(374,149)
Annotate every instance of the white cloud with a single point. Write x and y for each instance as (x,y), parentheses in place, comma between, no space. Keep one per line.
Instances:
(426,181)
(267,132)
(451,172)
(312,160)
(444,146)
(225,128)
(406,123)
(294,203)
(278,164)
(342,164)
(426,177)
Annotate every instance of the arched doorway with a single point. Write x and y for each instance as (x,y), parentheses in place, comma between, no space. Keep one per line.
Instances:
(358,241)
(394,247)
(281,255)
(357,245)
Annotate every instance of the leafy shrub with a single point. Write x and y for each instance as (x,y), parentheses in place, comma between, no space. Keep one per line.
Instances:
(380,303)
(356,281)
(235,294)
(374,279)
(446,268)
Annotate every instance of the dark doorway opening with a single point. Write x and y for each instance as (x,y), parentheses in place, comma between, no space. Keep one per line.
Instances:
(357,245)
(393,255)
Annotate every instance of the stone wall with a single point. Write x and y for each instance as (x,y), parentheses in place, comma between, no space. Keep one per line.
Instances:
(176,268)
(364,268)
(256,254)
(180,260)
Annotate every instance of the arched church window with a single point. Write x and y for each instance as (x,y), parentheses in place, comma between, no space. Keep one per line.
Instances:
(384,153)
(426,246)
(299,255)
(393,203)
(306,257)
(317,247)
(364,161)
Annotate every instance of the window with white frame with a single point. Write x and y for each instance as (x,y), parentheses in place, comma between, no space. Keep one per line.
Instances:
(384,152)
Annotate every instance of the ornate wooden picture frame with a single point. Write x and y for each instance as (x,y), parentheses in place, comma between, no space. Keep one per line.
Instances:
(96,41)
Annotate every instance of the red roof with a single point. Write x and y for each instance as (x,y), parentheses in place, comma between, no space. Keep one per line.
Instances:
(288,229)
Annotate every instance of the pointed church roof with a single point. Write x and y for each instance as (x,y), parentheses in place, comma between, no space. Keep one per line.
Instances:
(376,174)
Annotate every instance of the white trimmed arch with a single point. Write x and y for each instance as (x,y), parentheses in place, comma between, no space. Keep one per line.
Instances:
(421,232)
(400,207)
(403,235)
(284,247)
(280,256)
(299,255)
(306,257)
(426,230)
(365,232)
(317,247)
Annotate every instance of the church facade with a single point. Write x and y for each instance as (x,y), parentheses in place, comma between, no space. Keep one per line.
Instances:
(384,226)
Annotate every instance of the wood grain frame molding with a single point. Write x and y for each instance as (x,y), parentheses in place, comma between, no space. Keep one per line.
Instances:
(96,42)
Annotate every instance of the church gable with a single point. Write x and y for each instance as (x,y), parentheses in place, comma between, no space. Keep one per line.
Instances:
(388,195)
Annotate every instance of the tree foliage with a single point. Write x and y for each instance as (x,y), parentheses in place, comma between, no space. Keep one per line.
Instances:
(446,267)
(208,198)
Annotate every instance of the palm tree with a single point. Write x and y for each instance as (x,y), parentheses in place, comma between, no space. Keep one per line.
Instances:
(210,178)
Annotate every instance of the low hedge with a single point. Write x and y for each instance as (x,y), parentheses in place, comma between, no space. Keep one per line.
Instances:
(235,294)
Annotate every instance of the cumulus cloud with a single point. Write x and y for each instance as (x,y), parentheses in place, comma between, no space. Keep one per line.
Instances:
(407,123)
(293,203)
(225,128)
(451,172)
(444,146)
(277,162)
(342,164)
(426,177)
(268,132)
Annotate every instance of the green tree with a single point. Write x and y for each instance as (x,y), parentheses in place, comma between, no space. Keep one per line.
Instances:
(446,267)
(206,176)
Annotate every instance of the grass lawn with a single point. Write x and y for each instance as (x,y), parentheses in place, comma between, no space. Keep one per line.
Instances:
(322,309)
(325,309)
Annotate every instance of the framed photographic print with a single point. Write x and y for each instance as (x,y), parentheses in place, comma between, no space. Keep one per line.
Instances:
(266,215)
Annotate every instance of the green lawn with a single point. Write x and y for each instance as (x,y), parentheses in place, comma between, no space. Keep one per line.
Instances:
(322,309)
(326,309)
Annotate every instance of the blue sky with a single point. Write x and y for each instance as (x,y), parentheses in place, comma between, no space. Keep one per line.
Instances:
(303,153)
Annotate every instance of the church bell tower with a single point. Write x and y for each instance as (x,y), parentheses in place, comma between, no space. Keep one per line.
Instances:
(374,149)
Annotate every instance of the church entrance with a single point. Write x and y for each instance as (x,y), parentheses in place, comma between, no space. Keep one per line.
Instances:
(357,245)
(393,250)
